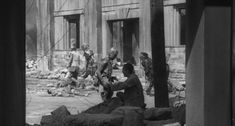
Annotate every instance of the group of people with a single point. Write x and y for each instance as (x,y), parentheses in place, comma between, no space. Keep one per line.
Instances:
(133,94)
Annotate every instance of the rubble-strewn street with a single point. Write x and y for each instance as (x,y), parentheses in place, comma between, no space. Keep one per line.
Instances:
(40,102)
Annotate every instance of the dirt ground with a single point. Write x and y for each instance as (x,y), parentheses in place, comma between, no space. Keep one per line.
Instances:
(39,103)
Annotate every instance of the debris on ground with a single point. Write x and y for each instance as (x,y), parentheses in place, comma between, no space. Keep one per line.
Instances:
(123,115)
(31,65)
(64,88)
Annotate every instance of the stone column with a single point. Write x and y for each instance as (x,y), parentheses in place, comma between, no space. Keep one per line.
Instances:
(44,44)
(145,26)
(93,24)
(208,94)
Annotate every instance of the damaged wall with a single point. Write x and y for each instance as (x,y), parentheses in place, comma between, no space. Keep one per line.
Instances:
(45,30)
(98,32)
(31,29)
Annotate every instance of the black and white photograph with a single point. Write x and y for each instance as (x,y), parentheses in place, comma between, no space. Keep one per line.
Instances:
(120,63)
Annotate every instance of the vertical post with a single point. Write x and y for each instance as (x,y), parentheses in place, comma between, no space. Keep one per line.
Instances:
(145,27)
(43,33)
(93,22)
(158,54)
(208,63)
(51,43)
(12,52)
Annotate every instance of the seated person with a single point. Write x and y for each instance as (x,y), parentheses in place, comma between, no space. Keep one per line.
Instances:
(133,90)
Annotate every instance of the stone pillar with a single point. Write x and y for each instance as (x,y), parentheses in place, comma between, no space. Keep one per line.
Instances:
(145,26)
(93,24)
(106,35)
(82,28)
(208,95)
(44,44)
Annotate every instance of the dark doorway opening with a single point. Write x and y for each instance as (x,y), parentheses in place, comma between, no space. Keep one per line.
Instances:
(73,25)
(125,38)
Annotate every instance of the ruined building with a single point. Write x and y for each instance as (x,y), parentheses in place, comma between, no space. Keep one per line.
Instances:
(123,24)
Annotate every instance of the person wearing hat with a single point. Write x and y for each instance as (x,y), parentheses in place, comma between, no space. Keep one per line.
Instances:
(146,62)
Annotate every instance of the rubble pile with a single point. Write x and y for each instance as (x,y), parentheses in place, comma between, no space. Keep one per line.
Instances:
(121,116)
(177,74)
(64,88)
(55,74)
(31,65)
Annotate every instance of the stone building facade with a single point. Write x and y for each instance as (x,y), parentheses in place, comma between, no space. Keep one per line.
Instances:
(122,24)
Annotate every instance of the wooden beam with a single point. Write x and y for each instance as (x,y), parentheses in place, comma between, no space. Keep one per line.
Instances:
(158,54)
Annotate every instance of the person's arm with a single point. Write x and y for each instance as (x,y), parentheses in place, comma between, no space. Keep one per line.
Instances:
(123,85)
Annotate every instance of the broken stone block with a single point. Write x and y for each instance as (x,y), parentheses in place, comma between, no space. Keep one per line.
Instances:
(105,107)
(179,114)
(61,112)
(132,116)
(173,124)
(169,122)
(85,119)
(56,118)
(50,120)
(158,114)
(31,125)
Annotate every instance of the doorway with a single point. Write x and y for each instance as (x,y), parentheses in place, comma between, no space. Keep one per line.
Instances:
(73,29)
(125,38)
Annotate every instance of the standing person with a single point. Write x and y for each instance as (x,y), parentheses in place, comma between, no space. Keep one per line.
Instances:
(90,63)
(133,90)
(104,72)
(73,64)
(146,62)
